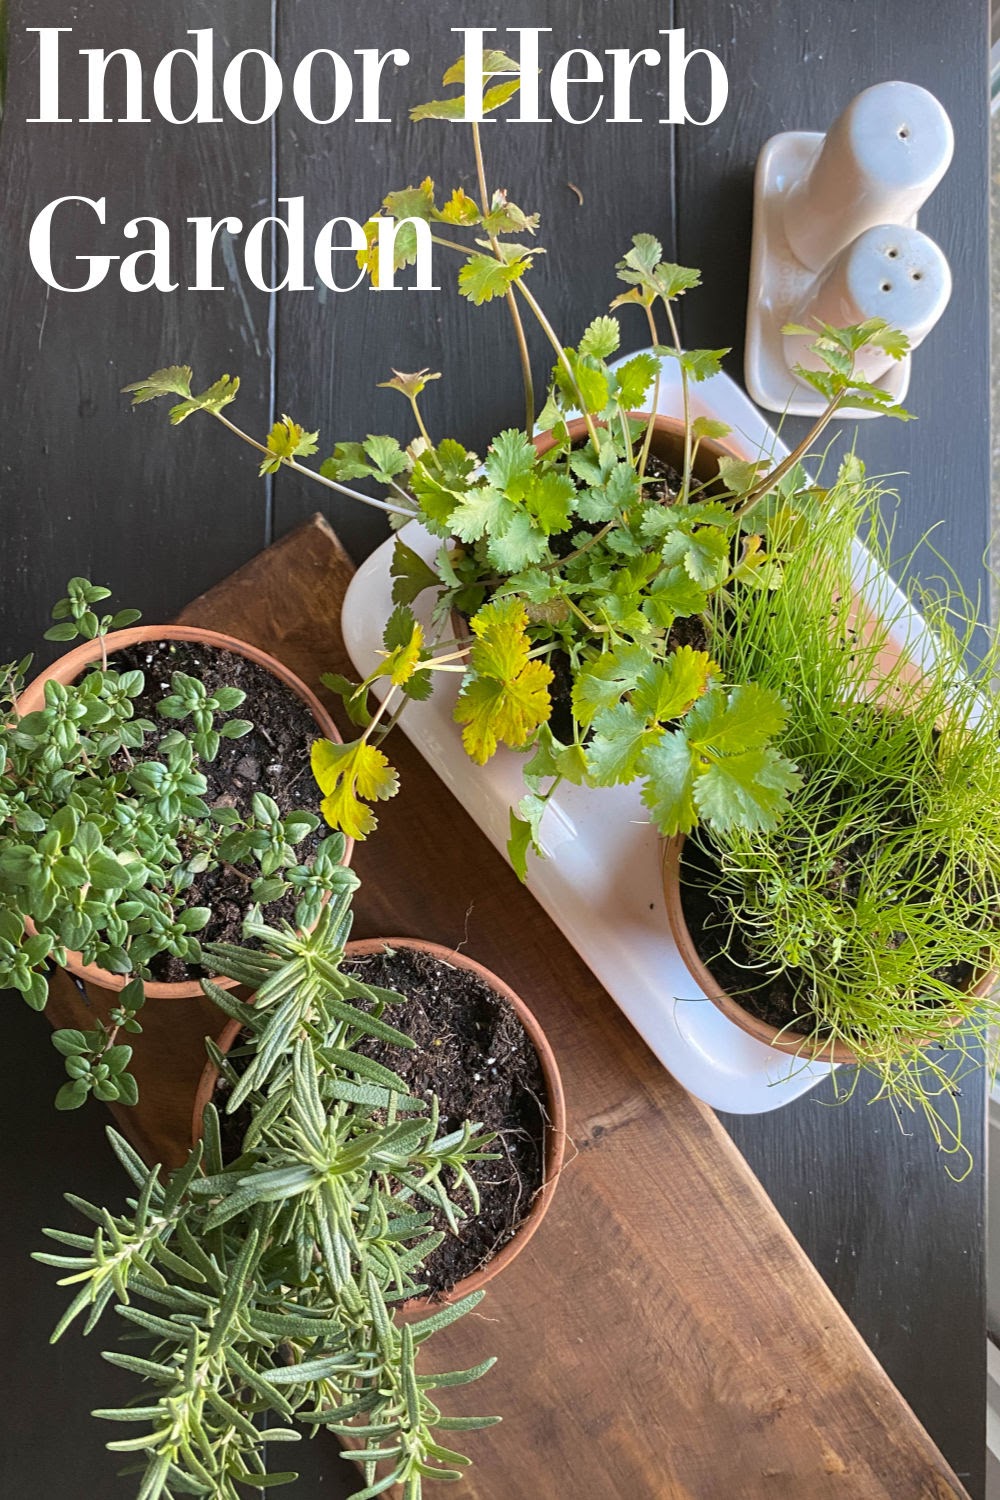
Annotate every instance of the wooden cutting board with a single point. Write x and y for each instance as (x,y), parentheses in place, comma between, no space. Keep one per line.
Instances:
(663,1337)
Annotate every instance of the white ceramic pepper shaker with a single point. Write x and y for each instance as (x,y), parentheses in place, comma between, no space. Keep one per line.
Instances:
(890,272)
(876,165)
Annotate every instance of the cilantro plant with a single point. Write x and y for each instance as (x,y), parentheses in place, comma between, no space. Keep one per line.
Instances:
(573,565)
(99,846)
(264,1286)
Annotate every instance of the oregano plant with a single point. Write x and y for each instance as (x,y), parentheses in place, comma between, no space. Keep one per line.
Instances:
(568,572)
(104,826)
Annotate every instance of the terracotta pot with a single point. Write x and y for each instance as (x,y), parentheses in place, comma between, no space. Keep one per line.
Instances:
(796,1042)
(667,444)
(69,667)
(555,1136)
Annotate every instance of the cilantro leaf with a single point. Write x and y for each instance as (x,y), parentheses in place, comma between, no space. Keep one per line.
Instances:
(634,379)
(621,734)
(601,338)
(668,689)
(525,832)
(173,381)
(460,209)
(482,278)
(670,767)
(483,510)
(403,638)
(349,776)
(510,458)
(742,720)
(710,427)
(454,109)
(287,440)
(213,400)
(749,789)
(550,500)
(603,683)
(504,696)
(518,546)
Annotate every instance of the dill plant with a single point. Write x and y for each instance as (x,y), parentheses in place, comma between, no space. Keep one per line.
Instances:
(877,895)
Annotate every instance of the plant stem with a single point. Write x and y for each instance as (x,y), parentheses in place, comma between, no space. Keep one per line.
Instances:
(644,460)
(553,339)
(768,483)
(686,394)
(560,562)
(512,308)
(420,422)
(330,484)
(595,629)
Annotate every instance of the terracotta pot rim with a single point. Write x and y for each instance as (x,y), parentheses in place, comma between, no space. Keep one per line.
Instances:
(555,1134)
(68,667)
(708,448)
(782,1040)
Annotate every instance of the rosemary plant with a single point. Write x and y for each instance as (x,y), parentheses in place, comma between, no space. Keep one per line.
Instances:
(101,839)
(578,562)
(878,896)
(265,1285)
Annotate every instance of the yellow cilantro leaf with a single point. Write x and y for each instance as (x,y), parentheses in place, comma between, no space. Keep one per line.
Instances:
(502,643)
(349,776)
(505,697)
(496,712)
(460,209)
(287,440)
(404,657)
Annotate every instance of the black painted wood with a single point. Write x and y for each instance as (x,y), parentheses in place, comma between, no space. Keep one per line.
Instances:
(896,1240)
(332,356)
(88,487)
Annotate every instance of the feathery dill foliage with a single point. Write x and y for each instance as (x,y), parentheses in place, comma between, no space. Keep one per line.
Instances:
(879,891)
(264,1286)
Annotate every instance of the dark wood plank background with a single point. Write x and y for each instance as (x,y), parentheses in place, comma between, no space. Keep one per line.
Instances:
(87,487)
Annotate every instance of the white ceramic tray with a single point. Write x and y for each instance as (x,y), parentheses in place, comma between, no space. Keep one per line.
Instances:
(601,883)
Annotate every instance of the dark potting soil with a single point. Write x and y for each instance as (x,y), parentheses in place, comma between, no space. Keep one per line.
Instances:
(473,1052)
(781,999)
(273,758)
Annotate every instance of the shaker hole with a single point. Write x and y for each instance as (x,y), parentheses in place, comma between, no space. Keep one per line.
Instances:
(903,132)
(887,286)
(917,275)
(892,254)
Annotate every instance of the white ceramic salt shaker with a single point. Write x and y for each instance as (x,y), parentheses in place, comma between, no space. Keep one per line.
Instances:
(890,272)
(877,164)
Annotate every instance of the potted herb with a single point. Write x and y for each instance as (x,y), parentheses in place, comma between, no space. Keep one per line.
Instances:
(864,926)
(575,567)
(476,1047)
(272,1265)
(141,815)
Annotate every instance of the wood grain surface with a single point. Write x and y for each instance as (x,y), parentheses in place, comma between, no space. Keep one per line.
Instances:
(663,1335)
(86,486)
